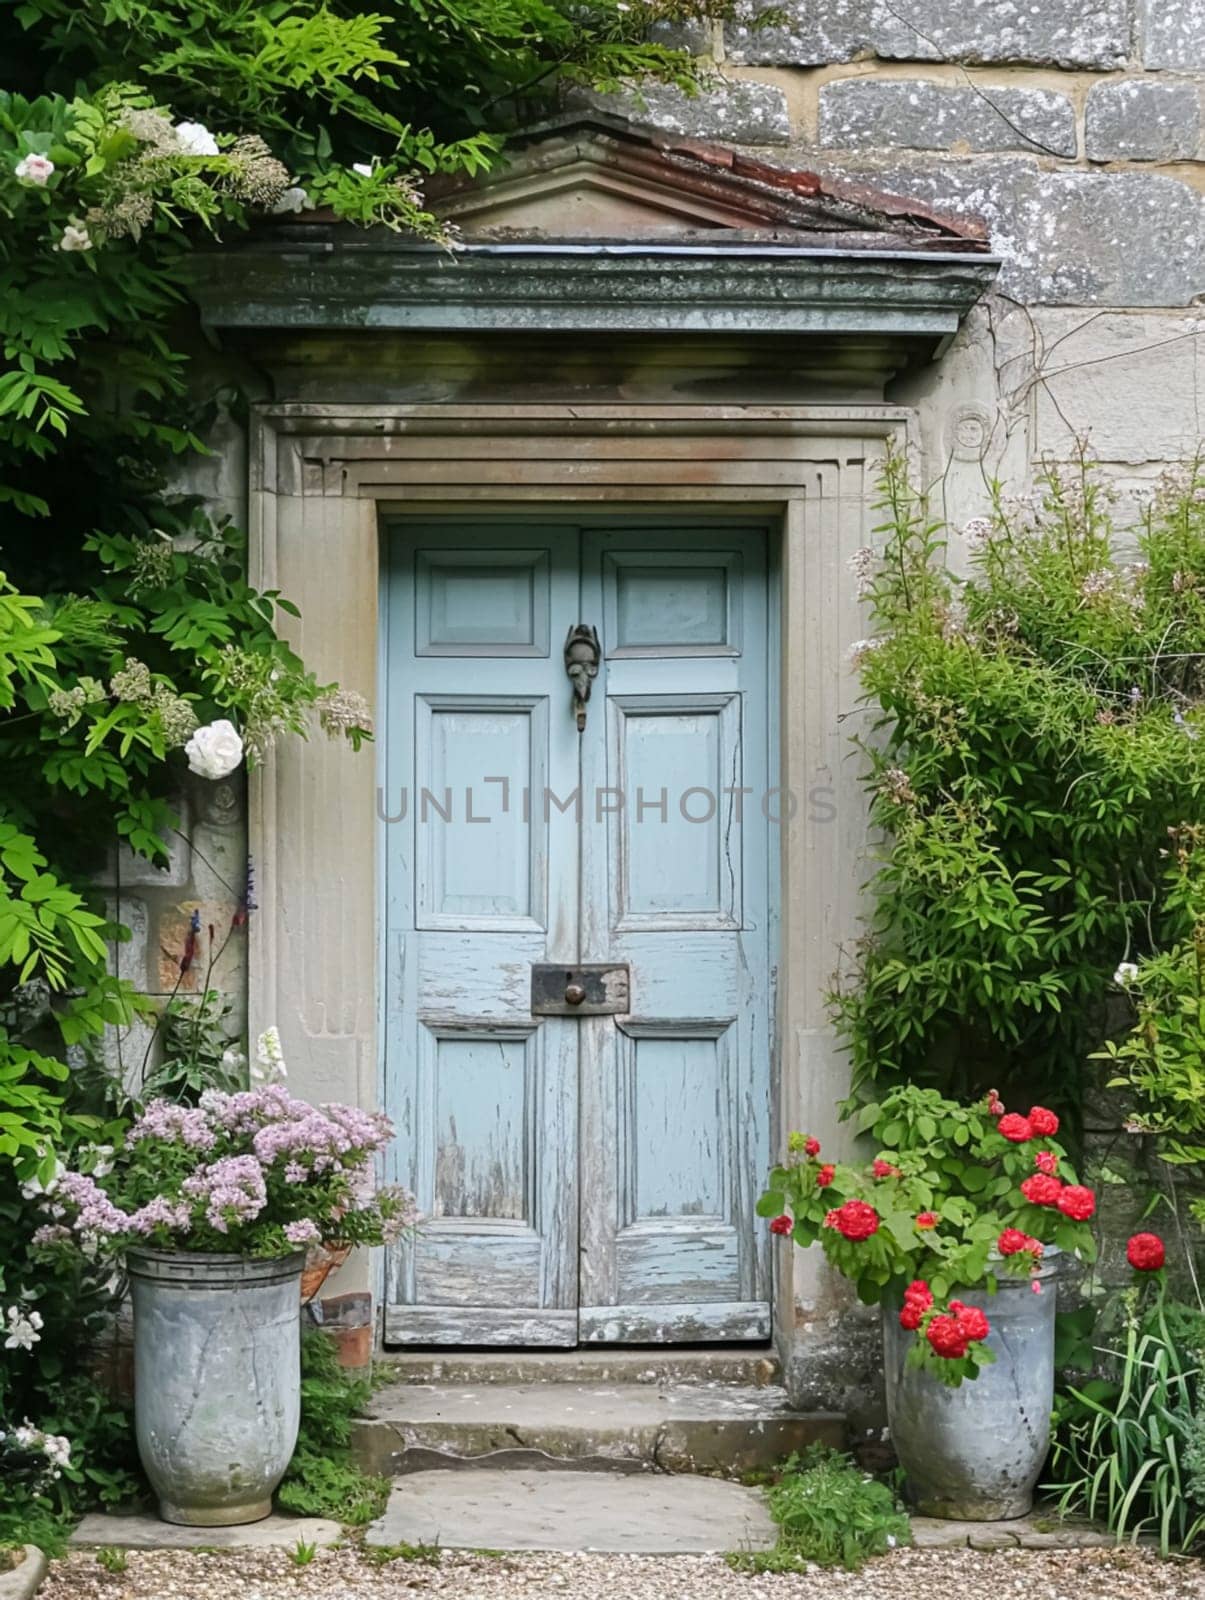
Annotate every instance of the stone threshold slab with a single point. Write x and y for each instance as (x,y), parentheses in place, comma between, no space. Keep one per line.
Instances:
(580,1512)
(146,1532)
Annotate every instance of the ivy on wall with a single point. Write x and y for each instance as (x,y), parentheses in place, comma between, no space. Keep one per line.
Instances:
(128,132)
(1037,744)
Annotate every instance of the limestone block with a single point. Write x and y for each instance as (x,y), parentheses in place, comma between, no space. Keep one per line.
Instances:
(862,114)
(1137,119)
(1065,33)
(1172,34)
(127,1051)
(126,870)
(734,110)
(1066,237)
(171,938)
(219,842)
(1131,383)
(127,959)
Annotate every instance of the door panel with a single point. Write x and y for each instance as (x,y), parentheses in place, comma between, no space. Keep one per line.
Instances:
(480,884)
(675,1098)
(582,1177)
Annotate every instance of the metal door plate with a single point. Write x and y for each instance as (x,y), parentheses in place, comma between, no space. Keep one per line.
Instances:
(606,990)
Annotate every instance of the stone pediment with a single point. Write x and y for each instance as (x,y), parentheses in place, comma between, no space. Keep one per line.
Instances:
(593,177)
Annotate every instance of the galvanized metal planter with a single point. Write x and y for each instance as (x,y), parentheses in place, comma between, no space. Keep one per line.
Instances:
(217,1376)
(975,1452)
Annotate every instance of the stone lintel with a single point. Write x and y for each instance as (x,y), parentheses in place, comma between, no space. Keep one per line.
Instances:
(644,290)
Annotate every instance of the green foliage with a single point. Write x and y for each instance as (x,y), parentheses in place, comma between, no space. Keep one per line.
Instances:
(323,1480)
(1162,1059)
(113,1559)
(1031,736)
(424,1555)
(1129,1446)
(829,1514)
(127,616)
(303,1552)
(943,1188)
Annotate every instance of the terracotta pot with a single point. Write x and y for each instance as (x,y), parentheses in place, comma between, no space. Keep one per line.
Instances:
(322,1260)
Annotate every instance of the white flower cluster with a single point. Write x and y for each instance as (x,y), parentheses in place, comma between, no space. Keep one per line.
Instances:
(35,169)
(24,1328)
(861,648)
(1126,974)
(195,139)
(56,1447)
(862,565)
(269,1064)
(977,533)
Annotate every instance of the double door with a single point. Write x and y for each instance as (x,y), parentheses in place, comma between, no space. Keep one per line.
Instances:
(576,929)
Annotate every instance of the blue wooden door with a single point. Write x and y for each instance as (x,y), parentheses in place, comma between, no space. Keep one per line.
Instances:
(584,1177)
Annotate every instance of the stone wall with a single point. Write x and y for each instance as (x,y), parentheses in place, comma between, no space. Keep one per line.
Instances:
(1074,128)
(205,878)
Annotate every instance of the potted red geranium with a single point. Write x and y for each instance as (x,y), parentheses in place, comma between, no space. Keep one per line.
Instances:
(954,1228)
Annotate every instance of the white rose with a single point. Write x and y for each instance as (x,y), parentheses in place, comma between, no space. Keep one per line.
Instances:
(215,750)
(75,237)
(195,139)
(291,200)
(34,169)
(1126,974)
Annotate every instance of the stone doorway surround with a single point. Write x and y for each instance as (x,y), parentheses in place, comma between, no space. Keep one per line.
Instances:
(711,334)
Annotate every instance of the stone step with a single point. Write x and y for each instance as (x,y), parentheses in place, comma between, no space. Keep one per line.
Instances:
(716,1428)
(753,1368)
(573,1511)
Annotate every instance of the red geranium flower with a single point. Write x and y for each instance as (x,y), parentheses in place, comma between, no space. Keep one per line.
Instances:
(884,1169)
(1015,1127)
(1076,1202)
(1145,1252)
(995,1106)
(972,1322)
(856,1220)
(919,1293)
(1046,1161)
(912,1315)
(947,1338)
(1042,1190)
(1012,1242)
(825,1176)
(830,1219)
(927,1219)
(781,1224)
(1044,1123)
(811,1147)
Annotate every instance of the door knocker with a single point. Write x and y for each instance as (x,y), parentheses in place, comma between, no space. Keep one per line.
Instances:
(582,656)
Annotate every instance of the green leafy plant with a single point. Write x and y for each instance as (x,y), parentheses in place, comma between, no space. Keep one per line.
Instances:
(957,1196)
(1031,735)
(1129,1446)
(303,1552)
(1161,1060)
(829,1513)
(112,1559)
(424,1555)
(129,132)
(323,1480)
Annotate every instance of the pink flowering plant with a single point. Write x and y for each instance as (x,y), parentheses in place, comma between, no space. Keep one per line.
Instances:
(255,1173)
(956,1197)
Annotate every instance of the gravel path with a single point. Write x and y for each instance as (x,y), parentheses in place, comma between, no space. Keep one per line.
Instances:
(905,1575)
